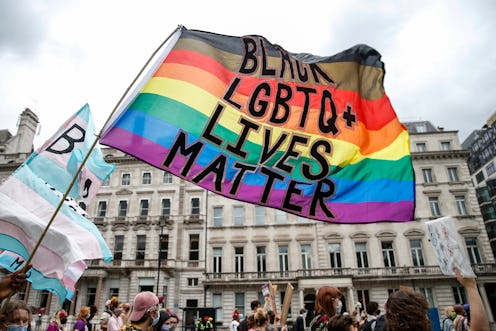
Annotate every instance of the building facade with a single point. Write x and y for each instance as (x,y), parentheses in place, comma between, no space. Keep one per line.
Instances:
(198,249)
(482,166)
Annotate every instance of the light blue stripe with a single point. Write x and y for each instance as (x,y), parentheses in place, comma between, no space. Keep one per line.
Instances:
(38,280)
(25,175)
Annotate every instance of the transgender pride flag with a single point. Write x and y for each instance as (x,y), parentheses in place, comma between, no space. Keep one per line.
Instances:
(313,136)
(30,196)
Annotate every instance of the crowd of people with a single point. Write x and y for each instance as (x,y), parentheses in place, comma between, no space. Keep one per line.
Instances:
(405,310)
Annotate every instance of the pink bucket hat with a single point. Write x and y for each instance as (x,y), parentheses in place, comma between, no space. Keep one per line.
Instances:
(142,302)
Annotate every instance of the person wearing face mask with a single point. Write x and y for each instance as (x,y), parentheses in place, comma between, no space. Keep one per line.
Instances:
(115,321)
(16,317)
(144,312)
(81,319)
(447,323)
(164,322)
(58,321)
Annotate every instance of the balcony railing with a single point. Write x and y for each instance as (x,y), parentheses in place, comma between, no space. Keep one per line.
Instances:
(356,273)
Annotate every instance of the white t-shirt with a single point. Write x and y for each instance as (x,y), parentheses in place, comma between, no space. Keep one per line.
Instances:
(234,325)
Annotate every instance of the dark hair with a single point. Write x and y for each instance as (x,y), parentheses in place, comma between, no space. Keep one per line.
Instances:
(324,301)
(340,323)
(254,304)
(250,320)
(459,310)
(372,307)
(406,311)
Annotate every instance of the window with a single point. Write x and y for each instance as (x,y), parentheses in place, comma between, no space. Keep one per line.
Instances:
(434,205)
(283,258)
(102,209)
(123,208)
(427,293)
(259,215)
(146,284)
(460,205)
(195,206)
(416,251)
(420,147)
(388,253)
(144,207)
(218,216)
(194,247)
(473,250)
(361,255)
(239,302)
(147,178)
(280,216)
(479,177)
(453,174)
(166,207)
(192,281)
(217,302)
(427,173)
(126,179)
(140,246)
(420,127)
(118,247)
(261,259)
(238,260)
(217,268)
(238,215)
(114,285)
(167,179)
(459,295)
(90,296)
(363,297)
(335,255)
(306,257)
(445,145)
(164,246)
(490,169)
(43,299)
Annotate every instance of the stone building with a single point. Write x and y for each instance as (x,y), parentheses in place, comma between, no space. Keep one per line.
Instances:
(482,166)
(197,249)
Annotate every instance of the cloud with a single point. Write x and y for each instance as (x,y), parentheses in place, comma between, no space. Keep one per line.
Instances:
(22,28)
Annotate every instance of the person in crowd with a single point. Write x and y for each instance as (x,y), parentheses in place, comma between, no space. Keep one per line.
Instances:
(16,316)
(126,309)
(145,312)
(406,311)
(300,321)
(13,282)
(243,325)
(373,312)
(107,313)
(447,323)
(164,322)
(342,323)
(174,320)
(460,323)
(235,320)
(58,321)
(81,323)
(261,320)
(115,321)
(93,312)
(326,304)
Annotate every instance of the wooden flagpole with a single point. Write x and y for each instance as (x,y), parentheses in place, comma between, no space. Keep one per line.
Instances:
(64,197)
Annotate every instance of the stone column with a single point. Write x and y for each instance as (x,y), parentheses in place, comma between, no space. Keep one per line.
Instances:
(98,292)
(485,300)
(301,300)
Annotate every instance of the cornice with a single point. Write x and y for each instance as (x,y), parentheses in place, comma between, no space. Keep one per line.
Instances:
(436,155)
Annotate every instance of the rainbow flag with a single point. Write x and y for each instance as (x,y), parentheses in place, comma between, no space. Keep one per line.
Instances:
(313,136)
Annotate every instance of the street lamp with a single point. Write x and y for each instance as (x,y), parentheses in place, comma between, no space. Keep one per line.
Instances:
(161,223)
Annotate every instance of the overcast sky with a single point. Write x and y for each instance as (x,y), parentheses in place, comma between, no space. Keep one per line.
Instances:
(55,56)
